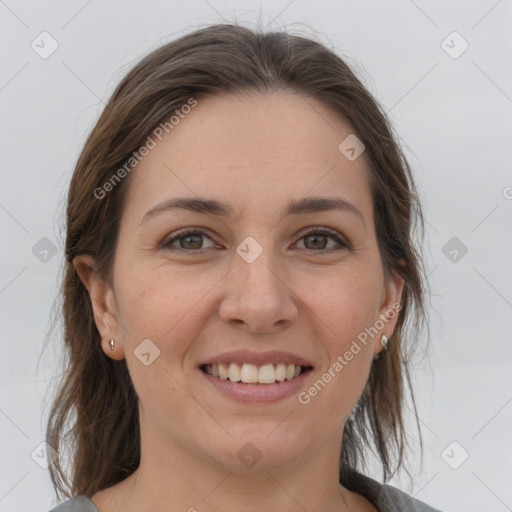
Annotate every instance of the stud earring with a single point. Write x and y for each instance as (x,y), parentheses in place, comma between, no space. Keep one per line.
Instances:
(384,344)
(111,343)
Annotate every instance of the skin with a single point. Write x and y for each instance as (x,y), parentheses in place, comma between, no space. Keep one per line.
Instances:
(255,153)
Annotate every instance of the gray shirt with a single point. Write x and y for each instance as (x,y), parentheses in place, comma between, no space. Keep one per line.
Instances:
(384,497)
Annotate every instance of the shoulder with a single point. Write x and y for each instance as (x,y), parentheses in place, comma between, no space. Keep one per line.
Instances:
(396,500)
(77,504)
(384,496)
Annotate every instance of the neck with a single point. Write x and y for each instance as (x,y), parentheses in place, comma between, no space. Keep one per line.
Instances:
(173,477)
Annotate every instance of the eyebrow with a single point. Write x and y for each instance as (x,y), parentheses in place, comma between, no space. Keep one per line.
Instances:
(213,207)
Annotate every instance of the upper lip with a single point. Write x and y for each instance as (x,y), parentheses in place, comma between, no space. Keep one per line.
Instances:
(257,358)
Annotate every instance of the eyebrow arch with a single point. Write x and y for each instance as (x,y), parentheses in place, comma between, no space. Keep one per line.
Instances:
(213,207)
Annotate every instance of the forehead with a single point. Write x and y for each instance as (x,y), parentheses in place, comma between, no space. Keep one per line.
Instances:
(247,149)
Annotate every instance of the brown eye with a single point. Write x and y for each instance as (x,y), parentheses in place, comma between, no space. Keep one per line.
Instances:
(315,241)
(318,240)
(189,241)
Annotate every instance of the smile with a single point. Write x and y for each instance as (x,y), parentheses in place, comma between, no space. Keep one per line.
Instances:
(253,374)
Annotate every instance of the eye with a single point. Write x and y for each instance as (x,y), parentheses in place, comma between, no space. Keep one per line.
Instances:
(317,239)
(190,240)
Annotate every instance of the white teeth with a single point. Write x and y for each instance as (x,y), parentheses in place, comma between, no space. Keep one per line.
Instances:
(234,372)
(252,374)
(267,374)
(223,370)
(280,372)
(249,373)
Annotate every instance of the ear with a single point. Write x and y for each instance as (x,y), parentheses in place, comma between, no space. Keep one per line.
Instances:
(389,310)
(103,305)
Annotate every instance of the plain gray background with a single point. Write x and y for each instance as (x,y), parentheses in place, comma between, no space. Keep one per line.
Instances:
(453,112)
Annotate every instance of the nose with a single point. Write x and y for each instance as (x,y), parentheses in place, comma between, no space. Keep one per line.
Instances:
(258,298)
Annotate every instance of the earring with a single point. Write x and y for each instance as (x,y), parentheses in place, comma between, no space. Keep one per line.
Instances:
(384,344)
(111,343)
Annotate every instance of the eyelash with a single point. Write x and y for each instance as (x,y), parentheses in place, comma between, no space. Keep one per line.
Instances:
(331,233)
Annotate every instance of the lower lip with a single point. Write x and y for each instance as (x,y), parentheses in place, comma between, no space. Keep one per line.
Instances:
(258,392)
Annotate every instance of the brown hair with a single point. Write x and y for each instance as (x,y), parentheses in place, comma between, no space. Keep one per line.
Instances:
(96,398)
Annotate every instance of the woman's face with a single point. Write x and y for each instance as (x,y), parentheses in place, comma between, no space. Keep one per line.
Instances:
(248,284)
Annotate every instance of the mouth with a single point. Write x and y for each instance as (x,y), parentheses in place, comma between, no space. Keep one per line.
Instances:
(247,373)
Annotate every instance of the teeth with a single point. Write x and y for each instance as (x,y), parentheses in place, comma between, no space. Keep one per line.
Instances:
(234,372)
(253,374)
(266,374)
(280,372)
(248,373)
(223,370)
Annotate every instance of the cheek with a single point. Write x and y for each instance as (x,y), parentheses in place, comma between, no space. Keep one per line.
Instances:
(342,306)
(164,305)
(345,302)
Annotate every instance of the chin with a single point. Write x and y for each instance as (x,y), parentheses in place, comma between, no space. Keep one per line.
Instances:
(257,448)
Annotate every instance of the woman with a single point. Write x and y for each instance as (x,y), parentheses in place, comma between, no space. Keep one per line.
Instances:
(240,268)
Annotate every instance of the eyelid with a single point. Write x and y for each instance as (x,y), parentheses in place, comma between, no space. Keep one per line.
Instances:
(321,230)
(180,233)
(332,233)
